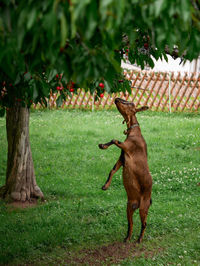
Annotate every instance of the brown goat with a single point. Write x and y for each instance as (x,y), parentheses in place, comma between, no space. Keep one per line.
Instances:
(137,179)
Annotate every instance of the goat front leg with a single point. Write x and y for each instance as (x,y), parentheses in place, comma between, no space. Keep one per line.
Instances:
(118,143)
(112,172)
(105,146)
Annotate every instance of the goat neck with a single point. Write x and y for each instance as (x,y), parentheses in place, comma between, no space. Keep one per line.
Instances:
(133,126)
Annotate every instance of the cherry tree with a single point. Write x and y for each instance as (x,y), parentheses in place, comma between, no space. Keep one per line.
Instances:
(61,45)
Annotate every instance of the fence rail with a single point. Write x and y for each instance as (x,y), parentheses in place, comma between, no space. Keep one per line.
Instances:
(160,91)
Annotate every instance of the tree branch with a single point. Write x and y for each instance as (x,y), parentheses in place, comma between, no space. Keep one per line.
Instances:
(174,53)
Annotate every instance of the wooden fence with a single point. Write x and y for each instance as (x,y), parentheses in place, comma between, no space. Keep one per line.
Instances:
(160,91)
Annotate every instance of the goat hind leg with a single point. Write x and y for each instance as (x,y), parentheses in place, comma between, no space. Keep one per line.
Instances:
(131,207)
(112,172)
(144,206)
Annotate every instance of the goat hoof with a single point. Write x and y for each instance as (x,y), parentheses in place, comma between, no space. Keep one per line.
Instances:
(139,240)
(101,146)
(104,188)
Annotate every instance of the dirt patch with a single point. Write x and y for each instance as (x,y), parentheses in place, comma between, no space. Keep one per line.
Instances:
(22,205)
(111,254)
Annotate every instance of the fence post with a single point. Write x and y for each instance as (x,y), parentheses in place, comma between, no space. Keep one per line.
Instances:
(170,109)
(93,101)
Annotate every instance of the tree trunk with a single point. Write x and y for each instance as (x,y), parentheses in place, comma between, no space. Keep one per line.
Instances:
(20,177)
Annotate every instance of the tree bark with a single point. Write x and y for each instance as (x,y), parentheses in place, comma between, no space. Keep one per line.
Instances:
(20,177)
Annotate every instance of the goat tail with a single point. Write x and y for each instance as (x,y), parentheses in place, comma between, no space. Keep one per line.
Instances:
(151,201)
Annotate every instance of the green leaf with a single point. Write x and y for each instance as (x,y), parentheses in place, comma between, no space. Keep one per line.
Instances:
(159,6)
(151,63)
(31,18)
(165,57)
(2,111)
(51,74)
(59,101)
(185,10)
(104,6)
(45,89)
(64,29)
(91,19)
(128,87)
(20,38)
(107,86)
(35,92)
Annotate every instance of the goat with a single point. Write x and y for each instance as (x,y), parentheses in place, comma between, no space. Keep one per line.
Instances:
(137,179)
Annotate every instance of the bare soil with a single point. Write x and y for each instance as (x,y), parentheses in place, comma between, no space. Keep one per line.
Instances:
(109,255)
(22,205)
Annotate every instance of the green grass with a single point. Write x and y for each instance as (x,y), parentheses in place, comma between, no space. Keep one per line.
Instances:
(77,214)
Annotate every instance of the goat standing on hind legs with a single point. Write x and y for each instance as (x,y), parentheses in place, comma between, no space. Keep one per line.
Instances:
(137,179)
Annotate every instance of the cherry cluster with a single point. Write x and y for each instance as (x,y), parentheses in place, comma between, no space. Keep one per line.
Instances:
(70,85)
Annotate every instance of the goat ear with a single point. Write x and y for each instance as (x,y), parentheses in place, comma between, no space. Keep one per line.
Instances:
(143,108)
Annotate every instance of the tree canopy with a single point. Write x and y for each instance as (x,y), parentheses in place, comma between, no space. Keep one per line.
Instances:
(65,44)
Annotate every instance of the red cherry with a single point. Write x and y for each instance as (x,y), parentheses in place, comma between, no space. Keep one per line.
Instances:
(146,45)
(101,85)
(101,95)
(57,76)
(127,50)
(58,88)
(71,90)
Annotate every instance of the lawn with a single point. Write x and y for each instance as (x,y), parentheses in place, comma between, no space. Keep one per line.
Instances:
(78,219)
